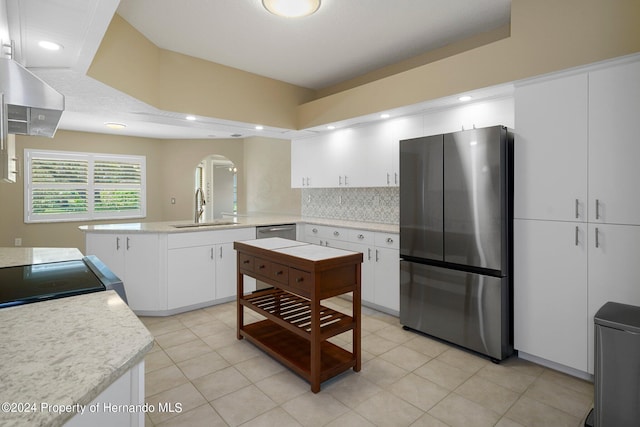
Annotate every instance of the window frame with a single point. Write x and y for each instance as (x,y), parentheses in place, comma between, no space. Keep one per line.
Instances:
(91,214)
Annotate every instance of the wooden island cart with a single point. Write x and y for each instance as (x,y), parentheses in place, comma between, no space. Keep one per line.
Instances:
(297,327)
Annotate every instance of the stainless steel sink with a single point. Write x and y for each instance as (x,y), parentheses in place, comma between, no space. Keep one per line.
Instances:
(203,224)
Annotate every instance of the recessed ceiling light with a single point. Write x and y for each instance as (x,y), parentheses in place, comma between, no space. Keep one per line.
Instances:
(259,127)
(464,98)
(291,8)
(49,45)
(385,116)
(191,118)
(114,125)
(331,127)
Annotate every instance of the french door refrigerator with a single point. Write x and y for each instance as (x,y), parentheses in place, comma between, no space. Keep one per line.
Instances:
(456,223)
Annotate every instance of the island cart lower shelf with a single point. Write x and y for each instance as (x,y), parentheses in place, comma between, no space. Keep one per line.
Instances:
(297,326)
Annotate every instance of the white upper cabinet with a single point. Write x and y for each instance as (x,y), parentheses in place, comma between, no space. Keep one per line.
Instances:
(551,150)
(614,144)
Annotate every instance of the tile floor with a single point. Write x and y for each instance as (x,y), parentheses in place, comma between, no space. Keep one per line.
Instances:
(406,380)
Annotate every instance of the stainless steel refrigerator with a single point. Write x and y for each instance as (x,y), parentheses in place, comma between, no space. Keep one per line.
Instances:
(456,223)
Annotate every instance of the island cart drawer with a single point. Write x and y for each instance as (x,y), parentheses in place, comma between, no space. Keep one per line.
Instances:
(280,273)
(262,267)
(300,279)
(246,262)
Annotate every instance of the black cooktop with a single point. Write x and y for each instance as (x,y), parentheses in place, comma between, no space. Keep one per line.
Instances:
(32,283)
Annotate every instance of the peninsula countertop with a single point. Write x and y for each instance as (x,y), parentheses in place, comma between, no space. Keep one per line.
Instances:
(66,352)
(239,221)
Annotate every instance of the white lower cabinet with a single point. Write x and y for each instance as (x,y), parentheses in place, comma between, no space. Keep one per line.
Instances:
(166,273)
(614,270)
(550,291)
(191,274)
(380,268)
(134,258)
(563,273)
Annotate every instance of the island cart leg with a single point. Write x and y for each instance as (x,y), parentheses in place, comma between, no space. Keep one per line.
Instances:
(357,317)
(240,294)
(315,345)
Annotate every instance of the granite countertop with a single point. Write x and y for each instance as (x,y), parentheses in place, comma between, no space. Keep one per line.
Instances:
(66,352)
(11,257)
(239,221)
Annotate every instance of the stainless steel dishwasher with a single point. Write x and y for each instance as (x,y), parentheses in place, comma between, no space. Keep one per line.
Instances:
(285,231)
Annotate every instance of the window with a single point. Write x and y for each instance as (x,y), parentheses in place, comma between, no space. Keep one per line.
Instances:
(69,186)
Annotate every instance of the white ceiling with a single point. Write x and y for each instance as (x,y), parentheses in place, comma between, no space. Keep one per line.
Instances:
(344,39)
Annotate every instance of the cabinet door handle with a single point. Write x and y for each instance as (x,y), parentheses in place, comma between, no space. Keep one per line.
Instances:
(369,254)
(212,253)
(577,213)
(388,179)
(377,257)
(128,244)
(389,240)
(336,233)
(396,177)
(597,209)
(577,235)
(597,238)
(117,243)
(345,180)
(340,180)
(307,181)
(220,251)
(303,181)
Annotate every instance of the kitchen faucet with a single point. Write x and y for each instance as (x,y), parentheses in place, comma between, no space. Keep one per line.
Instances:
(199,207)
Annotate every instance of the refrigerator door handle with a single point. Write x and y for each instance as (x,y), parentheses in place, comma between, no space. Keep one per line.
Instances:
(577,235)
(577,213)
(597,209)
(597,238)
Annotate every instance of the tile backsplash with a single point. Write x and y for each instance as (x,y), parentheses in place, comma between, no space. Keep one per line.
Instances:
(379,204)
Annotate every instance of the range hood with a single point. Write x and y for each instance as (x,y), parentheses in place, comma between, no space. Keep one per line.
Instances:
(31,106)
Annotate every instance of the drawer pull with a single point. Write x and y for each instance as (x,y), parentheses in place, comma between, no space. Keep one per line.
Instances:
(261,266)
(389,240)
(246,261)
(315,230)
(299,279)
(279,273)
(335,233)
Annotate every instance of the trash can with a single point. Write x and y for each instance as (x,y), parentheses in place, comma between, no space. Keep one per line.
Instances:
(617,366)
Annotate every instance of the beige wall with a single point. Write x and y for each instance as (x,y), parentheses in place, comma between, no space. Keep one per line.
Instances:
(66,234)
(267,174)
(127,61)
(179,160)
(545,36)
(170,173)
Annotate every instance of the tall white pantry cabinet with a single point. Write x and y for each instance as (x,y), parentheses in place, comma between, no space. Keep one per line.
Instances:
(577,208)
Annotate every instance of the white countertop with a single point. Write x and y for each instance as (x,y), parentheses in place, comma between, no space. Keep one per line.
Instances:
(66,351)
(298,249)
(10,257)
(240,221)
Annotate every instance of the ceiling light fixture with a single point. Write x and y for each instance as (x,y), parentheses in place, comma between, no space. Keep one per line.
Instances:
(331,127)
(49,45)
(385,116)
(464,98)
(115,126)
(259,127)
(190,118)
(291,8)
